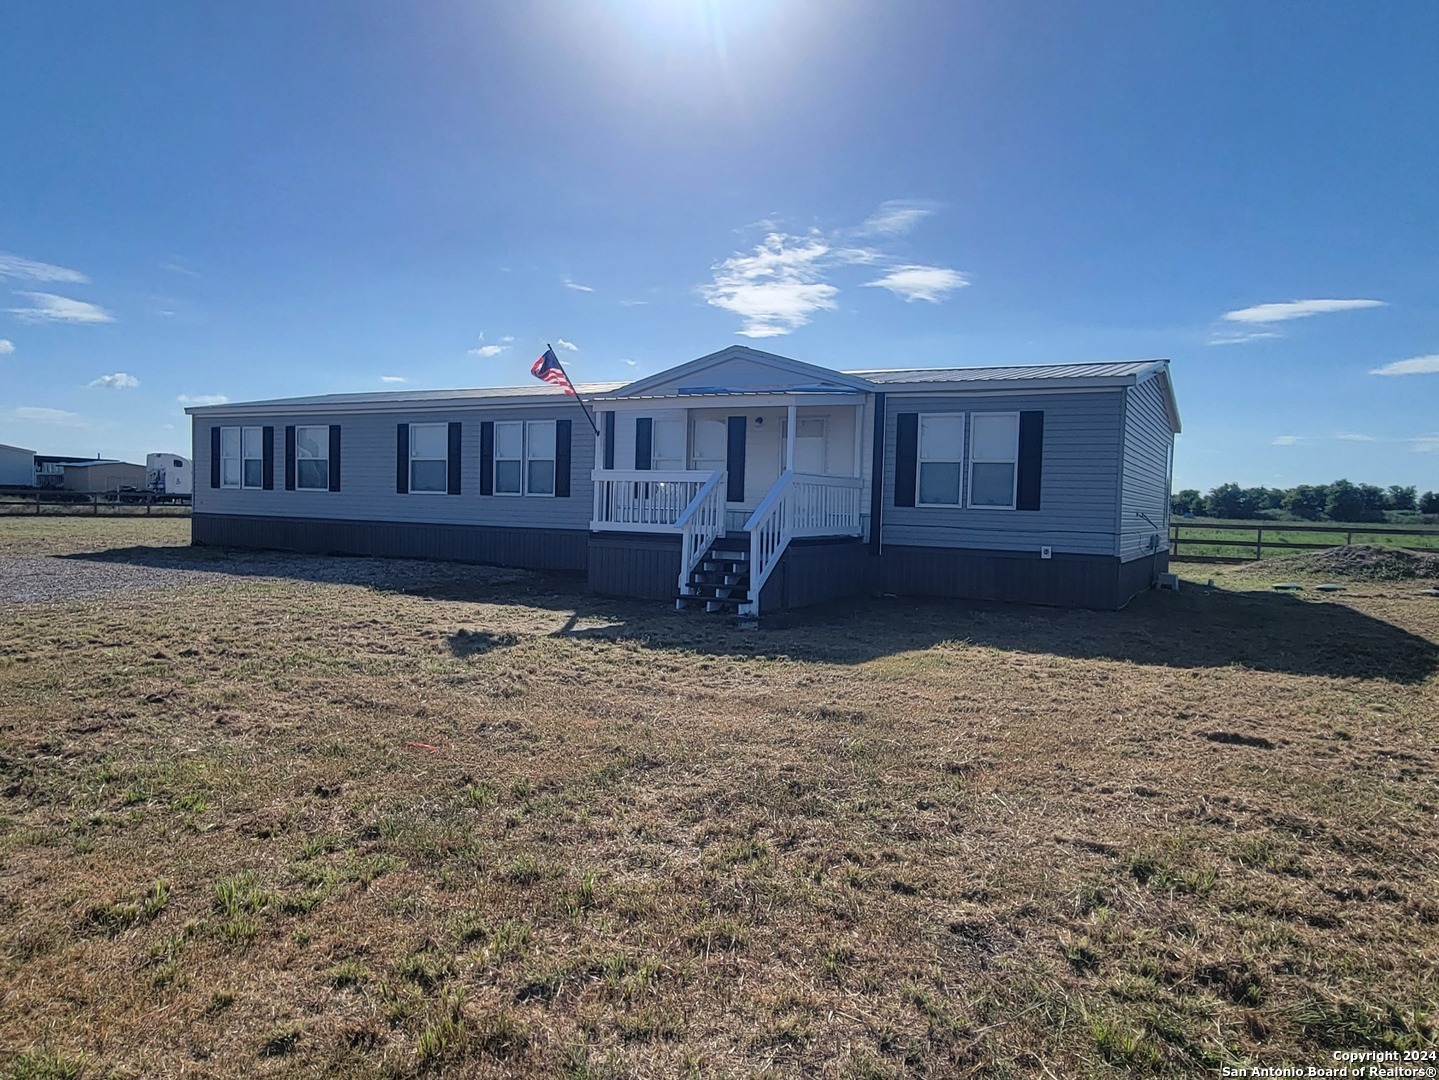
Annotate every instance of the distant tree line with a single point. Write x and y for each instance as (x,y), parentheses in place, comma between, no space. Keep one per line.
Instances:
(1339,501)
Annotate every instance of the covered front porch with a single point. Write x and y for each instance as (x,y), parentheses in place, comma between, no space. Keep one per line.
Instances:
(736,478)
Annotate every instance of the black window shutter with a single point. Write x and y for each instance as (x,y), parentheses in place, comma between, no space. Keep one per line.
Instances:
(609,428)
(906,457)
(562,459)
(644,442)
(334,457)
(1031,459)
(402,458)
(289,457)
(454,459)
(487,457)
(214,457)
(267,459)
(734,457)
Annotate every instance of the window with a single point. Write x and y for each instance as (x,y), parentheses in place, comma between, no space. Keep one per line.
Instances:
(941,459)
(993,460)
(242,457)
(179,464)
(709,443)
(667,446)
(525,457)
(312,458)
(429,457)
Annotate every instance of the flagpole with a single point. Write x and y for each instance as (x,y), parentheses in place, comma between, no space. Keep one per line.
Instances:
(588,416)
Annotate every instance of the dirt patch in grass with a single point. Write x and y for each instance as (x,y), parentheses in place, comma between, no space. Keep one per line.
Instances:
(288,825)
(1357,562)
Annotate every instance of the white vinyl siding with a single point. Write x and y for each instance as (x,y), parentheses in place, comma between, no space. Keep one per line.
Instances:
(525,458)
(941,459)
(429,458)
(993,460)
(1148,451)
(312,458)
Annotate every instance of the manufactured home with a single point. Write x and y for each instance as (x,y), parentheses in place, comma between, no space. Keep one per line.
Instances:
(17,466)
(742,481)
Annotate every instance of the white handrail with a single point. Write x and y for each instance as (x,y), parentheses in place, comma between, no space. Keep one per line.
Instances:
(643,500)
(799,505)
(702,522)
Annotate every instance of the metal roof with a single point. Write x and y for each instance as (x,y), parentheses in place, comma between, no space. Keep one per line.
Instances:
(92,461)
(1014,373)
(413,397)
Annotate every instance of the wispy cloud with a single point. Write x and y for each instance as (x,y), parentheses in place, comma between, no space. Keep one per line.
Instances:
(507,339)
(633,303)
(570,346)
(1296,309)
(1286,440)
(1425,444)
(1240,337)
(577,286)
(777,287)
(786,279)
(6,346)
(392,378)
(40,415)
(202,399)
(118,381)
(911,283)
(22,269)
(1354,436)
(895,217)
(485,352)
(177,265)
(630,363)
(47,307)
(1417,365)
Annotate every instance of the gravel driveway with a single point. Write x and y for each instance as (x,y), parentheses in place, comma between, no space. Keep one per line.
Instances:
(43,579)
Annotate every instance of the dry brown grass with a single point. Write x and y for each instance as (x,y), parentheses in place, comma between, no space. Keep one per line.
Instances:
(279,827)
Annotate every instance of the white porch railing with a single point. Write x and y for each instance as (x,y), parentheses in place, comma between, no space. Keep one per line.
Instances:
(702,523)
(799,504)
(642,500)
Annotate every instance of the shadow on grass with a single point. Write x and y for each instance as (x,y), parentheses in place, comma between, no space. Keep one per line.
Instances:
(1257,630)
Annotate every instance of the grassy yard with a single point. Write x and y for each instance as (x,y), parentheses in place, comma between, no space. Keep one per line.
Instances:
(272,826)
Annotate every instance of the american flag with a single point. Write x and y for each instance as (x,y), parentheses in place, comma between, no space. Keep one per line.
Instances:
(548,368)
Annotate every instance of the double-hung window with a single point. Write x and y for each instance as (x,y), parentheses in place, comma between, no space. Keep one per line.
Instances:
(525,457)
(993,460)
(312,458)
(429,458)
(242,457)
(941,459)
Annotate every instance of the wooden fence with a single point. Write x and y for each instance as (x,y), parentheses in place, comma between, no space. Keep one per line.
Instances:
(121,504)
(1182,533)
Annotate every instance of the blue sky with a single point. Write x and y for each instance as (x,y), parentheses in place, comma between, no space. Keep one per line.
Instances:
(263,199)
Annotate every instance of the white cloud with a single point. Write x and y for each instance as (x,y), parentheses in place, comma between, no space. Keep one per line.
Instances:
(1296,309)
(1241,337)
(507,339)
(202,399)
(577,286)
(484,352)
(1425,444)
(51,308)
(41,415)
(117,381)
(1354,436)
(6,346)
(1286,440)
(911,283)
(777,287)
(895,217)
(1417,365)
(561,343)
(392,378)
(631,363)
(633,303)
(14,266)
(177,265)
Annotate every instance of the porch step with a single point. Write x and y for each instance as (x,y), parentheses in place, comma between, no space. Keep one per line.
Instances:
(720,582)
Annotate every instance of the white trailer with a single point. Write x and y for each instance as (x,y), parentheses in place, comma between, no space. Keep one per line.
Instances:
(169,474)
